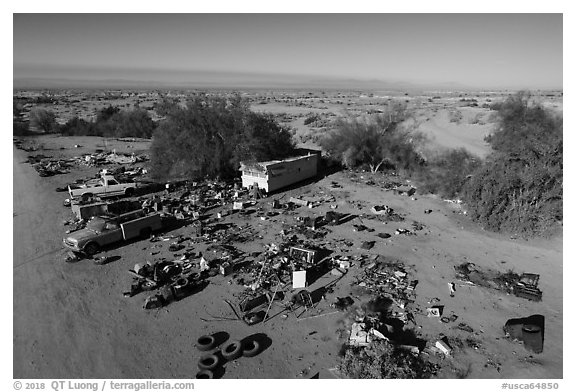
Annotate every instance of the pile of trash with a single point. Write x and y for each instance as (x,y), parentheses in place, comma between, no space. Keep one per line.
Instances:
(102,158)
(525,285)
(174,280)
(46,166)
(387,278)
(383,213)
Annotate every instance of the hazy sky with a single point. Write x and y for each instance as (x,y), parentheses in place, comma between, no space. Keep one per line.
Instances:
(476,50)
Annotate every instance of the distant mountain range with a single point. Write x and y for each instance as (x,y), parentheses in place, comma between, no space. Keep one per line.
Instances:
(213,79)
(217,79)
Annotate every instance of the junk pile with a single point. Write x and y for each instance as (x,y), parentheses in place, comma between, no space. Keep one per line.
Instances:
(524,286)
(46,166)
(406,190)
(174,280)
(380,320)
(388,312)
(383,213)
(102,158)
(387,278)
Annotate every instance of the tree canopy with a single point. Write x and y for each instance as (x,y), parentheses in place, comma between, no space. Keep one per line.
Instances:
(44,120)
(210,136)
(519,187)
(113,122)
(380,141)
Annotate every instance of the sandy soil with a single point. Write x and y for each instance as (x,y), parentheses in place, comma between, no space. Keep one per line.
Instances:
(71,320)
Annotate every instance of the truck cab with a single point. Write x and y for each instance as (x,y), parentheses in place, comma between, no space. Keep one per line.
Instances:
(105,186)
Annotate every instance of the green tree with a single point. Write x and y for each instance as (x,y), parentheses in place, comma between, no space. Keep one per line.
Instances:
(209,136)
(133,123)
(78,127)
(44,120)
(383,140)
(106,113)
(519,188)
(20,128)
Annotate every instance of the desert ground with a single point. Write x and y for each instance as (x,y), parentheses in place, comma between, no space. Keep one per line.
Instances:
(71,320)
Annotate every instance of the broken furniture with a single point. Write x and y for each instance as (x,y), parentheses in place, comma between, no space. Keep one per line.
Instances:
(527,287)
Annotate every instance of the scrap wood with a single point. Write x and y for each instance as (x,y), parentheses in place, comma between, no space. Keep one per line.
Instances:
(272,300)
(234,310)
(279,313)
(219,319)
(318,315)
(132,272)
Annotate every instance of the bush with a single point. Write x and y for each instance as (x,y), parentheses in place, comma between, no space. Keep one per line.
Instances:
(380,359)
(382,141)
(44,120)
(79,127)
(112,122)
(519,188)
(447,172)
(21,128)
(312,118)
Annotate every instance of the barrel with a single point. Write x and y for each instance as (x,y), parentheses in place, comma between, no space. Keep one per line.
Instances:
(533,339)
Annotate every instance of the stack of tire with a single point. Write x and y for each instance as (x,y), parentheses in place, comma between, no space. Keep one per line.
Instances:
(233,350)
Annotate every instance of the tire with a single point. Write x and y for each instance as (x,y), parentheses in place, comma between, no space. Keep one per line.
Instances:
(129,192)
(205,374)
(146,232)
(232,350)
(205,343)
(91,248)
(86,196)
(194,276)
(181,288)
(251,349)
(208,362)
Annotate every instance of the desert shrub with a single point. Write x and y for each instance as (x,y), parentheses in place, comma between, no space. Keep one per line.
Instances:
(311,118)
(112,122)
(477,119)
(44,120)
(447,172)
(210,136)
(506,194)
(131,123)
(519,187)
(21,128)
(381,141)
(106,113)
(79,127)
(381,359)
(455,116)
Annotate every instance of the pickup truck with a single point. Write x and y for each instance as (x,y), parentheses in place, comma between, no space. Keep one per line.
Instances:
(105,230)
(105,186)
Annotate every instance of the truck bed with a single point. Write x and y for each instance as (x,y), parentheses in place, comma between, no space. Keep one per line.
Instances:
(133,228)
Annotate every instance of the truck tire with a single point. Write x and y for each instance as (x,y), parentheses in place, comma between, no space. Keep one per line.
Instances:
(181,288)
(251,348)
(91,248)
(207,374)
(86,196)
(232,350)
(208,362)
(206,343)
(129,192)
(146,232)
